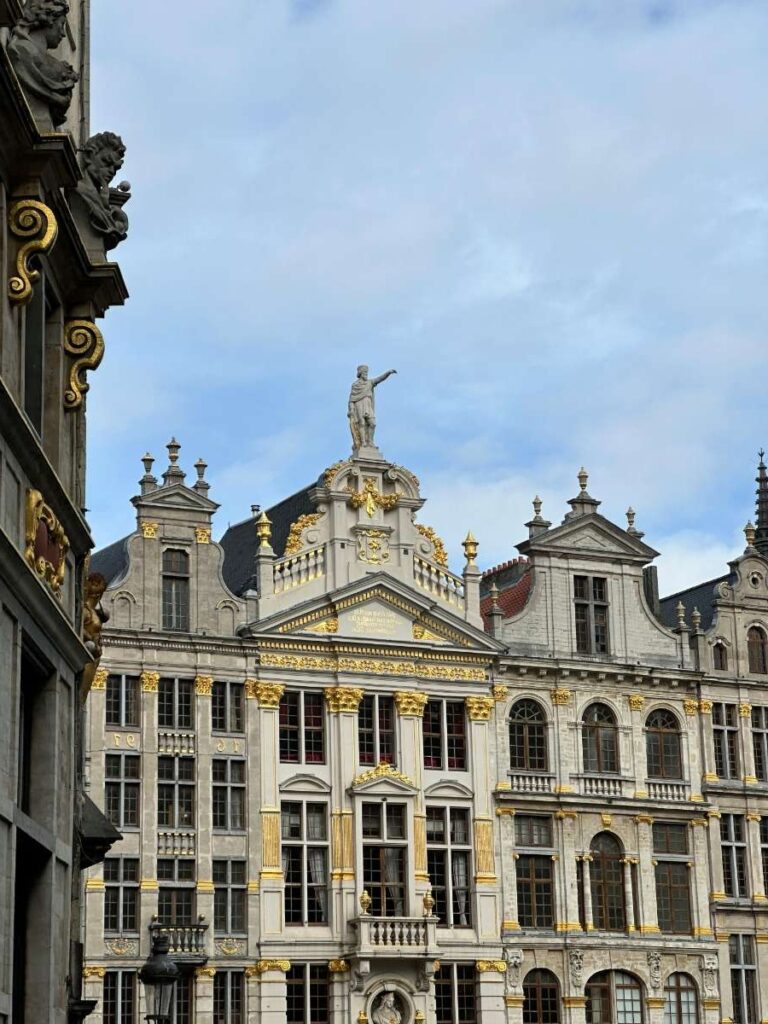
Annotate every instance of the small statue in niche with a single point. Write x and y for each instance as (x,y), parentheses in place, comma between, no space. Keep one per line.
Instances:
(102,158)
(47,81)
(386,1011)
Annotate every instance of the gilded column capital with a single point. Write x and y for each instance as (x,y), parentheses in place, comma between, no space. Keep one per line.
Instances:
(100,679)
(410,703)
(273,965)
(203,534)
(636,701)
(343,698)
(499,691)
(94,971)
(643,819)
(479,708)
(268,694)
(561,696)
(203,686)
(149,682)
(691,707)
(205,972)
(338,966)
(705,707)
(148,530)
(745,709)
(487,966)
(34,224)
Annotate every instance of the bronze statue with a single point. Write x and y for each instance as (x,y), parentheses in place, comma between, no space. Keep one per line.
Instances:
(361,409)
(102,158)
(47,81)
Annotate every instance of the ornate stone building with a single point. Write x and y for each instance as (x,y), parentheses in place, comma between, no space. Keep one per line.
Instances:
(355,787)
(57,218)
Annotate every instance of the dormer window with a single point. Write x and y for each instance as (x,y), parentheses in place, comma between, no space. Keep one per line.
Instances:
(757,651)
(175,590)
(590,596)
(720,657)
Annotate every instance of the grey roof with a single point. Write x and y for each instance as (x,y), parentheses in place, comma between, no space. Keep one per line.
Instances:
(240,541)
(702,596)
(111,561)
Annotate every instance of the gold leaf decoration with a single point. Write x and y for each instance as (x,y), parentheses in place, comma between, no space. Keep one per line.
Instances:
(84,341)
(293,545)
(34,223)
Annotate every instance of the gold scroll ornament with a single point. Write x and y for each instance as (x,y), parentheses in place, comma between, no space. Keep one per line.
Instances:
(84,341)
(35,225)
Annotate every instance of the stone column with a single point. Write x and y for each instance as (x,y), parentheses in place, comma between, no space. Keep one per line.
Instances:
(589,921)
(148,681)
(567,887)
(747,747)
(204,992)
(506,818)
(715,857)
(649,921)
(93,988)
(252,993)
(204,819)
(707,742)
(479,711)
(338,971)
(253,795)
(696,767)
(626,867)
(342,703)
(410,710)
(273,990)
(636,703)
(574,1009)
(755,857)
(271,877)
(566,735)
(699,877)
(494,1007)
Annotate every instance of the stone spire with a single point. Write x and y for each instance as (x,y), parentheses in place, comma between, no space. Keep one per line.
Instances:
(174,474)
(761,507)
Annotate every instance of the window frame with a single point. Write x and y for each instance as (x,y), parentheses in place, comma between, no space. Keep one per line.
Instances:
(127,701)
(462,1003)
(177,786)
(178,889)
(743,974)
(677,984)
(125,979)
(546,1003)
(300,728)
(733,847)
(757,651)
(230,789)
(233,894)
(534,854)
(528,738)
(446,907)
(299,849)
(303,982)
(453,745)
(381,705)
(128,894)
(231,695)
(759,729)
(232,980)
(608,982)
(175,592)
(123,786)
(725,736)
(176,703)
(667,871)
(603,888)
(657,736)
(377,888)
(588,611)
(594,753)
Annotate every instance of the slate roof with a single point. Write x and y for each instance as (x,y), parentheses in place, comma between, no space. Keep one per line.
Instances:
(701,596)
(240,541)
(111,561)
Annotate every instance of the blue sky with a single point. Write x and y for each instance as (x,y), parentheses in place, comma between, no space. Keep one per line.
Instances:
(549,215)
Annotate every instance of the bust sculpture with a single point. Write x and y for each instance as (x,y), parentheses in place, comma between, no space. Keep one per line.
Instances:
(386,1011)
(361,408)
(102,158)
(47,81)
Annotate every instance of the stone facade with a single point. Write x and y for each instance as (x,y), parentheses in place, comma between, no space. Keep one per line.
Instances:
(54,289)
(488,797)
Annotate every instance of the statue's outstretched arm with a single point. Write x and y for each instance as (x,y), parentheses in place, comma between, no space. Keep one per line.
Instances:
(383,376)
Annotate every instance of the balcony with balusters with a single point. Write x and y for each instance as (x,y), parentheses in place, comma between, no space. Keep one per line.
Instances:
(187,941)
(397,936)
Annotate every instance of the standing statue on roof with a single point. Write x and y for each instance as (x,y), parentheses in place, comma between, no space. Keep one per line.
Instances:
(361,409)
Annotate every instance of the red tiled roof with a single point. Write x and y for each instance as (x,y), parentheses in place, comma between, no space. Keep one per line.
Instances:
(512,600)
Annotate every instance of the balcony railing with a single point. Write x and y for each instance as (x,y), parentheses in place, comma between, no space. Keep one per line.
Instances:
(176,844)
(440,582)
(187,941)
(397,936)
(529,782)
(667,790)
(299,569)
(171,742)
(601,785)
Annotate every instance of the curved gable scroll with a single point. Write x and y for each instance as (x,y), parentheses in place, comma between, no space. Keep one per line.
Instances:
(304,783)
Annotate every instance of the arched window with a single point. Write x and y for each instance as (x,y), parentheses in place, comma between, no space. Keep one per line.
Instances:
(614,997)
(606,877)
(600,738)
(541,994)
(175,589)
(663,745)
(680,1003)
(528,737)
(757,648)
(720,657)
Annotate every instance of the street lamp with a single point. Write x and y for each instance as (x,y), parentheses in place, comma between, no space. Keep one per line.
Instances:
(159,975)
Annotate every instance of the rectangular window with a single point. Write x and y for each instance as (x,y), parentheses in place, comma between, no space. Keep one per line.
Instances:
(175,590)
(534,871)
(445,735)
(229,897)
(385,837)
(227,707)
(672,874)
(449,864)
(302,727)
(176,792)
(121,789)
(121,894)
(733,846)
(455,994)
(228,808)
(118,1003)
(764,850)
(533,830)
(741,949)
(175,704)
(183,1000)
(229,997)
(725,730)
(590,596)
(307,994)
(760,741)
(304,849)
(376,729)
(176,897)
(122,701)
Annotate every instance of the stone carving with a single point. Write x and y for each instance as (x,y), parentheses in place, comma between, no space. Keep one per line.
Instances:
(386,1010)
(94,617)
(102,158)
(47,81)
(34,224)
(709,973)
(84,341)
(514,958)
(654,968)
(122,947)
(576,965)
(361,408)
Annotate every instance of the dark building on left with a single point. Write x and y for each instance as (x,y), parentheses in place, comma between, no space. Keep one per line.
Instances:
(59,219)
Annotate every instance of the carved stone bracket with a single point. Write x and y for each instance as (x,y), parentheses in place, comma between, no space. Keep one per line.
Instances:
(84,341)
(35,225)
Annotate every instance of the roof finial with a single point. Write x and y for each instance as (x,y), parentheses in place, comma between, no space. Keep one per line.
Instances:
(537,503)
(583,477)
(470,546)
(761,505)
(148,482)
(749,533)
(174,474)
(201,484)
(696,619)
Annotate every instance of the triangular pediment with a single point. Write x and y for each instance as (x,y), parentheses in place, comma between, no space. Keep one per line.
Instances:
(175,497)
(378,609)
(383,780)
(591,535)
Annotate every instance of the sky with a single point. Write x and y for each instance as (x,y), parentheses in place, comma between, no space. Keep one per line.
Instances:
(550,216)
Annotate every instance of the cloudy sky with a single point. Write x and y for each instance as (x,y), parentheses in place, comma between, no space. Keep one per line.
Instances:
(549,215)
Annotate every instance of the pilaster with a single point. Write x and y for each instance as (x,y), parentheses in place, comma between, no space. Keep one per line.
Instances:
(506,817)
(410,712)
(148,682)
(204,820)
(696,767)
(338,971)
(649,921)
(343,703)
(717,880)
(271,876)
(253,794)
(493,1007)
(707,741)
(747,748)
(272,990)
(755,857)
(699,876)
(204,992)
(566,737)
(566,873)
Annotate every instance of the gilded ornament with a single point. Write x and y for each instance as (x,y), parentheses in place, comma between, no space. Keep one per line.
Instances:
(273,965)
(365,901)
(85,341)
(420,632)
(251,686)
(439,554)
(264,530)
(252,971)
(371,498)
(331,472)
(754,816)
(373,546)
(149,682)
(93,971)
(561,696)
(205,886)
(487,966)
(479,708)
(636,701)
(607,820)
(100,679)
(499,691)
(343,698)
(428,902)
(203,534)
(643,819)
(45,540)
(203,685)
(325,626)
(268,694)
(470,546)
(230,947)
(410,703)
(382,771)
(148,530)
(293,545)
(205,972)
(745,709)
(34,222)
(484,865)
(705,707)
(122,947)
(94,884)
(691,707)
(338,966)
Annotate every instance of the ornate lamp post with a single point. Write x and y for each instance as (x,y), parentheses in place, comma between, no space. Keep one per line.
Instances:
(159,976)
